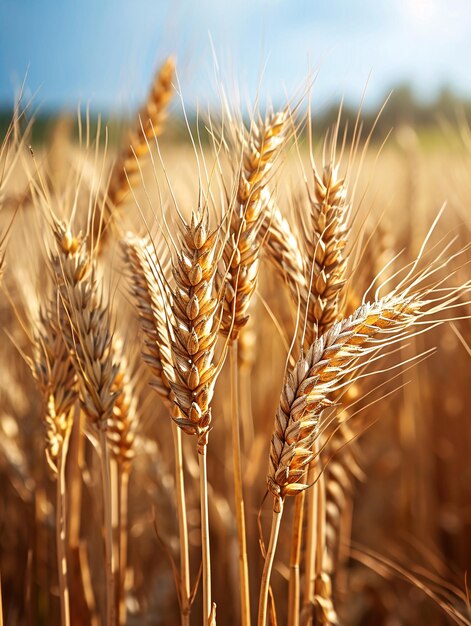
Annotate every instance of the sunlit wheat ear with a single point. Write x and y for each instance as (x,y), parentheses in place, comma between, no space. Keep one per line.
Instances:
(152,300)
(86,327)
(283,250)
(196,319)
(150,124)
(55,376)
(242,251)
(322,369)
(325,238)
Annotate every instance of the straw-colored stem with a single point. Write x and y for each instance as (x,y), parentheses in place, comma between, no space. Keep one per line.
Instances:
(61,535)
(245,396)
(1,602)
(115,525)
(185,591)
(269,558)
(110,565)
(238,492)
(311,534)
(205,549)
(74,479)
(320,528)
(123,480)
(83,603)
(295,556)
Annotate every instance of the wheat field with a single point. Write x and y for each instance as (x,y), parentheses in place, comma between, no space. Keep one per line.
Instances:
(234,371)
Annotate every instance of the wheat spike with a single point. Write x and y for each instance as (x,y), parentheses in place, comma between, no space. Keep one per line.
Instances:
(56,380)
(86,327)
(125,174)
(147,289)
(195,325)
(283,250)
(308,386)
(326,262)
(242,251)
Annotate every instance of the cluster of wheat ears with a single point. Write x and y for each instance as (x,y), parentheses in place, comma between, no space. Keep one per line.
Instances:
(191,281)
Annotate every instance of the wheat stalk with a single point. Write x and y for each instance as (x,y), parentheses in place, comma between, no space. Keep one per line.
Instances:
(241,256)
(195,324)
(325,269)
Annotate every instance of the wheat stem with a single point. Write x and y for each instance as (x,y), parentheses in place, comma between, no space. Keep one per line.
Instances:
(269,558)
(115,526)
(238,491)
(185,607)
(311,533)
(61,534)
(108,522)
(205,549)
(295,557)
(123,486)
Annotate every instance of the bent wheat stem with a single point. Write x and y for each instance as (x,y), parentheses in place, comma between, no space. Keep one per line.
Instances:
(269,558)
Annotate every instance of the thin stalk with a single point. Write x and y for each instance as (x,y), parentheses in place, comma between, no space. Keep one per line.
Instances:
(115,526)
(320,525)
(238,492)
(61,534)
(185,589)
(74,480)
(123,481)
(311,534)
(205,549)
(1,602)
(110,565)
(269,558)
(83,603)
(295,557)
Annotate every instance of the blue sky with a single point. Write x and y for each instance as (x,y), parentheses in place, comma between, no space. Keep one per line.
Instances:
(105,51)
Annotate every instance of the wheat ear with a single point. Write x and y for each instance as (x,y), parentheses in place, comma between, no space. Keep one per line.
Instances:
(242,251)
(125,174)
(325,245)
(305,394)
(283,250)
